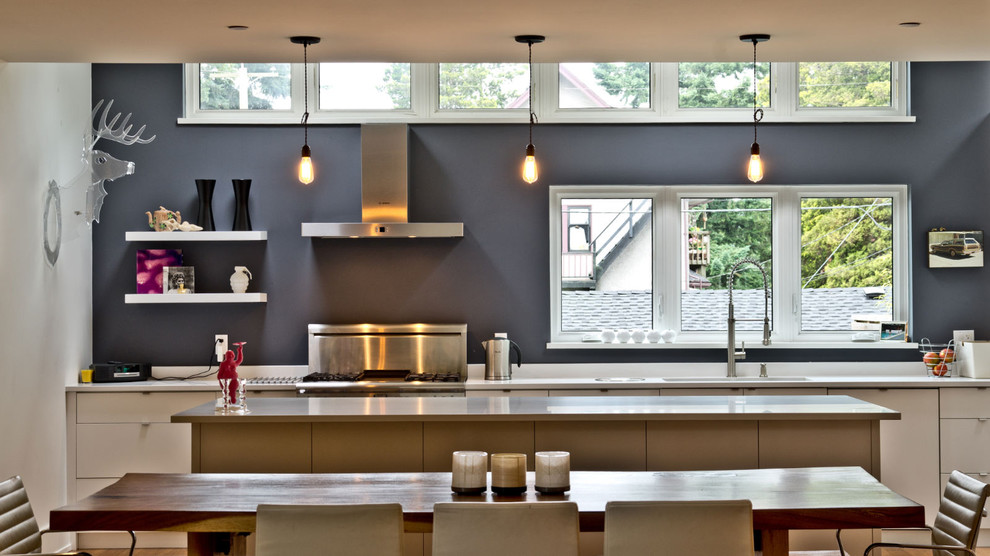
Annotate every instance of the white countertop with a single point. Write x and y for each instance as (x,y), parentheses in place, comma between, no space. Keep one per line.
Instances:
(598,408)
(588,376)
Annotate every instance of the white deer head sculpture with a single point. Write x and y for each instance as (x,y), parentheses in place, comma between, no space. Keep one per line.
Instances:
(105,167)
(98,168)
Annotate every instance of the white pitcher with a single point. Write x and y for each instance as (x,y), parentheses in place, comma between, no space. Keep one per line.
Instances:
(239,279)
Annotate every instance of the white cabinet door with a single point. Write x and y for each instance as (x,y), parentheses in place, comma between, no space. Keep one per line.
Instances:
(909,462)
(966,445)
(113,449)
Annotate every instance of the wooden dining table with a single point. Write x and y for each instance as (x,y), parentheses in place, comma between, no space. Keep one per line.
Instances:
(210,505)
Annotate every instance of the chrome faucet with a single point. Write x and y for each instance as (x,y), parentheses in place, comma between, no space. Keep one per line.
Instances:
(741,354)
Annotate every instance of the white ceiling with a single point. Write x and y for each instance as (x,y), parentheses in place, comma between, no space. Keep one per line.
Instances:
(473,30)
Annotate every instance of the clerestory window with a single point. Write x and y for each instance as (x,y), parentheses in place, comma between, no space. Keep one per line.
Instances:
(632,92)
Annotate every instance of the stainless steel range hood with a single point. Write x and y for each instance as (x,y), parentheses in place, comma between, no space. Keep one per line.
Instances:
(384,192)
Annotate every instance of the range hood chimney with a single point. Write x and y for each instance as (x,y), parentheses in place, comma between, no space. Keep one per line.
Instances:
(384,192)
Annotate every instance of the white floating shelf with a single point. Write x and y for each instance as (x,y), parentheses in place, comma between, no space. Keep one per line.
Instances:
(259,235)
(195,297)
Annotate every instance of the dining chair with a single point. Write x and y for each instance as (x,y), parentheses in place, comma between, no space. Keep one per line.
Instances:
(19,531)
(659,528)
(501,528)
(957,524)
(329,530)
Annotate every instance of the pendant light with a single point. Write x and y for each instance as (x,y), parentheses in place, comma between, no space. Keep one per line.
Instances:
(530,173)
(306,173)
(755,171)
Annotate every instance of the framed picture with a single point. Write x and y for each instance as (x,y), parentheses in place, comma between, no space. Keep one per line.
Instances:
(955,249)
(150,263)
(893,331)
(179,279)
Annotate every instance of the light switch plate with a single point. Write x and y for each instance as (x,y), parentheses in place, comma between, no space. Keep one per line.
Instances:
(960,336)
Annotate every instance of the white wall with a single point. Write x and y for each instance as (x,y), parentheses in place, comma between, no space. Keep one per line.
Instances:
(45,312)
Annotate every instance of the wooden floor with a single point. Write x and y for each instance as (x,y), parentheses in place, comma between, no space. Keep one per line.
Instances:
(182,552)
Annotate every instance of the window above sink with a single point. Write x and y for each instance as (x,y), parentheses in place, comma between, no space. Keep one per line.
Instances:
(656,257)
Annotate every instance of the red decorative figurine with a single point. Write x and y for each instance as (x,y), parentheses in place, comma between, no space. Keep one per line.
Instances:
(228,370)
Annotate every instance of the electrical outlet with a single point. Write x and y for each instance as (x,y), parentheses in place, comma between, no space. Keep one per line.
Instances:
(220,343)
(960,336)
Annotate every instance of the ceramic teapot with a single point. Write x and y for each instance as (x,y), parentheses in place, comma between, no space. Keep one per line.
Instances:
(239,279)
(164,220)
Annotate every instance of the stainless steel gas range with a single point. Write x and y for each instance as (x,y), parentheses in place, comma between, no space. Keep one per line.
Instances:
(386,360)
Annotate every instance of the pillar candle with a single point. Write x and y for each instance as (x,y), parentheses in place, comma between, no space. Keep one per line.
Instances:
(553,472)
(508,473)
(469,473)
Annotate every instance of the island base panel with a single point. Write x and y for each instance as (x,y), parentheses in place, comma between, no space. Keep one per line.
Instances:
(255,448)
(368,447)
(596,445)
(701,445)
(441,439)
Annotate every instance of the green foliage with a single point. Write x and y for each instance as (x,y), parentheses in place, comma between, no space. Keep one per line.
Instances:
(221,86)
(739,228)
(847,244)
(396,84)
(844,84)
(722,85)
(628,81)
(475,86)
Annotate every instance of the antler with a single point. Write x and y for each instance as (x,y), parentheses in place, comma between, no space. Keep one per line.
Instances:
(120,134)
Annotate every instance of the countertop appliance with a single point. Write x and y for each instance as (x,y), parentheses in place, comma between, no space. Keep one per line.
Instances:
(121,372)
(498,366)
(386,360)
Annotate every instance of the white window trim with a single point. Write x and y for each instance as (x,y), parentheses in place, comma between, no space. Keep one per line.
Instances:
(663,103)
(786,294)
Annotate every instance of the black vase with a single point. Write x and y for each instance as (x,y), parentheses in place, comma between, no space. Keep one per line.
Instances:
(205,190)
(242,218)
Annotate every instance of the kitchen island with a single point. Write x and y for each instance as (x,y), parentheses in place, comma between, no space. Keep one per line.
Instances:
(636,433)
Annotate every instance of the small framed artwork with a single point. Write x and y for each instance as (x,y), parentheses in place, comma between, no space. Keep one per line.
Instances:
(893,331)
(150,263)
(955,249)
(179,279)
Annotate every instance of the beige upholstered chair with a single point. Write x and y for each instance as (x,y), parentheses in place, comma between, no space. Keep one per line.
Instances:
(723,527)
(331,530)
(19,532)
(505,528)
(957,524)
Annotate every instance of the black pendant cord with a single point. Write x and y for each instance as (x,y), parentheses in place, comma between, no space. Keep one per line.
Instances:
(305,118)
(757,112)
(532,115)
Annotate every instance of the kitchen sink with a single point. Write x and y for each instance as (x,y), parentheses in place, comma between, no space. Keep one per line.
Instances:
(736,379)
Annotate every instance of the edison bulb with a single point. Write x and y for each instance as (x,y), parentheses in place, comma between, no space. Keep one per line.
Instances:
(755,172)
(306,173)
(529,171)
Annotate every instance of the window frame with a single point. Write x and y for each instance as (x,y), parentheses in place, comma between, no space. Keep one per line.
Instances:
(786,268)
(424,100)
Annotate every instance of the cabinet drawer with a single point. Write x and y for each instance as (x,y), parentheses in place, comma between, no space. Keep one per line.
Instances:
(960,403)
(136,407)
(965,445)
(606,392)
(507,394)
(110,450)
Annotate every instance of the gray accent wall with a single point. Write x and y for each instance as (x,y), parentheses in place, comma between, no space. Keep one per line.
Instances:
(495,278)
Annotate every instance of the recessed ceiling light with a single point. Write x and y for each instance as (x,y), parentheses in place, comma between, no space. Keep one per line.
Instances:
(237,27)
(910,24)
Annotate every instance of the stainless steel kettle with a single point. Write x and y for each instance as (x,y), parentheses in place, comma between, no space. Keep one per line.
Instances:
(497,350)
